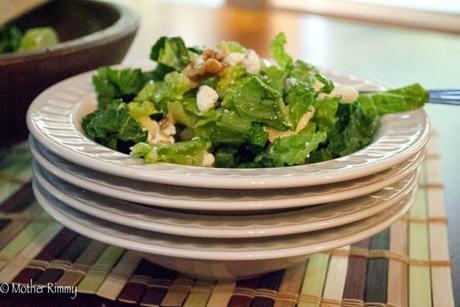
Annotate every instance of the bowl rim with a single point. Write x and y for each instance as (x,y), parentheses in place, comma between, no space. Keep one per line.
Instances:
(128,22)
(64,100)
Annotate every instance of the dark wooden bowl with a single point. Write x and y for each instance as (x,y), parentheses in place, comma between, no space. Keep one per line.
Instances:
(92,34)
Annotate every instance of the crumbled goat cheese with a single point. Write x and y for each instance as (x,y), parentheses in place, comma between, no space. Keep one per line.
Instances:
(234,58)
(252,62)
(206,98)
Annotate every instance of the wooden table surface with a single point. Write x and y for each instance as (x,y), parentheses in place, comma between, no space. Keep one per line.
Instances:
(393,55)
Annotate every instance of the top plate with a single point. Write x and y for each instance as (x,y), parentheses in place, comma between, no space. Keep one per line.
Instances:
(54,120)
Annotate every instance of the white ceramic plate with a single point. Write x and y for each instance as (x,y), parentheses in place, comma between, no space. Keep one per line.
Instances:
(219,249)
(216,199)
(54,120)
(224,226)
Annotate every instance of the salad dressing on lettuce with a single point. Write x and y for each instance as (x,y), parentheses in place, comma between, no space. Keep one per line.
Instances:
(226,107)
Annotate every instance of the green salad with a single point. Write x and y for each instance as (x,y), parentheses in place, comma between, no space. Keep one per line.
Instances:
(12,39)
(227,107)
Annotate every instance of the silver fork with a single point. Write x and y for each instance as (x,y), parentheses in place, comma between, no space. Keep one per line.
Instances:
(449,96)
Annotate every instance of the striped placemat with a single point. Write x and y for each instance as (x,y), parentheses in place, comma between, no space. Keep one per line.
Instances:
(405,265)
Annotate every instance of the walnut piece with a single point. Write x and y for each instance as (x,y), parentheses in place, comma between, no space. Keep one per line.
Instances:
(213,54)
(209,64)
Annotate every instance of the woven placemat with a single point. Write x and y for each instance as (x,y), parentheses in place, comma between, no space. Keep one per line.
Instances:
(405,265)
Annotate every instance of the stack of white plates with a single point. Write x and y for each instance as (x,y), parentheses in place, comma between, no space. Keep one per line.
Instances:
(219,223)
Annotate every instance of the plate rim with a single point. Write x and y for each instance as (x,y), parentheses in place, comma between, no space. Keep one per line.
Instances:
(253,231)
(228,254)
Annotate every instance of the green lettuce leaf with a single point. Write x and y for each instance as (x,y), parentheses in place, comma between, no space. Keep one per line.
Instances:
(398,100)
(38,39)
(294,149)
(180,115)
(226,156)
(258,102)
(231,46)
(241,156)
(113,127)
(140,109)
(147,92)
(258,135)
(274,77)
(172,88)
(189,153)
(230,128)
(354,130)
(308,73)
(232,77)
(171,52)
(160,71)
(283,59)
(320,155)
(328,85)
(121,84)
(197,49)
(325,113)
(299,97)
(304,72)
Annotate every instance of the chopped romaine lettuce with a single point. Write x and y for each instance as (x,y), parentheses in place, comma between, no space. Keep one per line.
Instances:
(172,88)
(294,149)
(258,136)
(328,85)
(113,126)
(398,100)
(299,97)
(325,113)
(304,72)
(171,52)
(283,59)
(230,128)
(230,78)
(226,156)
(278,116)
(139,109)
(311,75)
(181,116)
(231,46)
(159,72)
(190,152)
(275,78)
(121,84)
(256,101)
(354,130)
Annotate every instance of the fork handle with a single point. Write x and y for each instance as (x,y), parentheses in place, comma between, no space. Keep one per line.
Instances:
(447,96)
